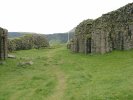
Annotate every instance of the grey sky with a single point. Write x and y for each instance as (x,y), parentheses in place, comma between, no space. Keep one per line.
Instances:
(52,16)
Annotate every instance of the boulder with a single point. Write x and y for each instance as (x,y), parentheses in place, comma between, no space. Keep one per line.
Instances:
(23,64)
(11,56)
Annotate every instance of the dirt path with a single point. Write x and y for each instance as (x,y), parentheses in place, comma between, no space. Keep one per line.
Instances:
(61,84)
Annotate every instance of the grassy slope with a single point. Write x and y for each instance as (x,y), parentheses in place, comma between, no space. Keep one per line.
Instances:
(62,75)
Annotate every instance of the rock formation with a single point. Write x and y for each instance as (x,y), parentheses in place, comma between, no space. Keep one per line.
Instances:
(3,43)
(111,31)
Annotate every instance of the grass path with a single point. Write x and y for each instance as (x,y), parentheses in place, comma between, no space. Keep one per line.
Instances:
(58,74)
(44,80)
(61,86)
(61,78)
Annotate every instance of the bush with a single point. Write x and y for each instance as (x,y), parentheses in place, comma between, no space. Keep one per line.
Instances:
(27,42)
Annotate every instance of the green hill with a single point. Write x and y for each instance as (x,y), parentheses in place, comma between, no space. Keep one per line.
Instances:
(59,37)
(17,34)
(52,38)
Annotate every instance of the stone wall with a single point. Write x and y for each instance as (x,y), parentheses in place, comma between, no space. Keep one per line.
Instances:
(111,31)
(3,43)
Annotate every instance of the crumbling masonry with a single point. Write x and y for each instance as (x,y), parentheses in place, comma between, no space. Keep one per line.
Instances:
(3,43)
(111,31)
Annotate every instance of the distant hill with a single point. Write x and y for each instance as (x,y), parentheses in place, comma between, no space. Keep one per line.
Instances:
(14,34)
(52,38)
(58,37)
(18,34)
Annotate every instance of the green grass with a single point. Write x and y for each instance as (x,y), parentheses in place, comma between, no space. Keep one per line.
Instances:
(86,77)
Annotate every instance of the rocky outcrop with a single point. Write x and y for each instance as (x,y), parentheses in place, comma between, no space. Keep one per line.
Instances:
(3,43)
(111,31)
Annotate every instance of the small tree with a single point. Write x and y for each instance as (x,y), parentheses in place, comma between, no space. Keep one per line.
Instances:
(40,41)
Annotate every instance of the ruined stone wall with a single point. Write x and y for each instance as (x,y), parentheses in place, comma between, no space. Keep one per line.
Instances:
(3,43)
(111,31)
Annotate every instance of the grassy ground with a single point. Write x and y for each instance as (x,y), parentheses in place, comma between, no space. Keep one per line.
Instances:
(58,74)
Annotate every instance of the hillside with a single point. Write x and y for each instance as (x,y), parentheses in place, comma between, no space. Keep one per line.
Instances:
(59,37)
(18,34)
(52,38)
(57,74)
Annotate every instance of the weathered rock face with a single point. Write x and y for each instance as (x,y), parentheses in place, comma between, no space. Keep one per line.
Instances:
(111,31)
(3,43)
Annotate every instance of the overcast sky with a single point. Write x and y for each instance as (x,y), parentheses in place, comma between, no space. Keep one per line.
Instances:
(52,16)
